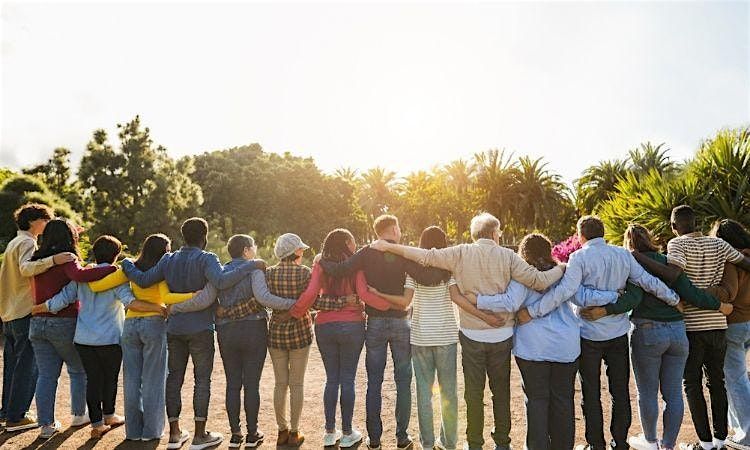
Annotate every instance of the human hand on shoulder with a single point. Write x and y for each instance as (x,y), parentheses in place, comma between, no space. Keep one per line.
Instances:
(64,258)
(380,245)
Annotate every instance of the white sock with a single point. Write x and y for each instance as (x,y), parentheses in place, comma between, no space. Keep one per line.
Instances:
(707,445)
(719,443)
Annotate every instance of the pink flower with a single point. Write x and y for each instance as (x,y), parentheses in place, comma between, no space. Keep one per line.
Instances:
(562,251)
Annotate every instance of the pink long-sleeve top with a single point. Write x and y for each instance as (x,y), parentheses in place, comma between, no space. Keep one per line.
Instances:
(347,314)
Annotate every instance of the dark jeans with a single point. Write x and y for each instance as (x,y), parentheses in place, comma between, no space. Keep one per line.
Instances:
(615,354)
(180,347)
(550,412)
(102,366)
(243,351)
(19,370)
(340,344)
(382,332)
(707,351)
(481,362)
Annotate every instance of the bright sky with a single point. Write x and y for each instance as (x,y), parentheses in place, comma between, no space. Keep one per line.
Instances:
(405,86)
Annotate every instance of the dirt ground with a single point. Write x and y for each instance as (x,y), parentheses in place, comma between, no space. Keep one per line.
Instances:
(312,420)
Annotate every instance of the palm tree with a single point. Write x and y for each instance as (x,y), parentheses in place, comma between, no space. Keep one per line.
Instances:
(377,194)
(460,176)
(495,181)
(648,157)
(598,183)
(347,174)
(539,194)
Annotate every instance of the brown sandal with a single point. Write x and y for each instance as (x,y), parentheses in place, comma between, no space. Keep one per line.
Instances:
(98,432)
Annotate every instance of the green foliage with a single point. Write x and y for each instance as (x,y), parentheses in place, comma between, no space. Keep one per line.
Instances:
(265,194)
(715,183)
(21,189)
(136,190)
(5,173)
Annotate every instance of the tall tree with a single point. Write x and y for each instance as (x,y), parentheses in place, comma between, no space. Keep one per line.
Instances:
(647,157)
(138,189)
(597,184)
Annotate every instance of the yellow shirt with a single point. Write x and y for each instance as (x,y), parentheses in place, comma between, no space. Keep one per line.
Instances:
(157,294)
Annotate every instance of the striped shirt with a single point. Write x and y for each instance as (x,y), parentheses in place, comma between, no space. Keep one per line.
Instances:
(702,258)
(433,320)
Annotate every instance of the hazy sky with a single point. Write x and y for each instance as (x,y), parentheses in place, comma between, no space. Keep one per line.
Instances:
(399,85)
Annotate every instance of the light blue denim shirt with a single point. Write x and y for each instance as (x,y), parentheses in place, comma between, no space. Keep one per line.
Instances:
(100,315)
(554,337)
(607,268)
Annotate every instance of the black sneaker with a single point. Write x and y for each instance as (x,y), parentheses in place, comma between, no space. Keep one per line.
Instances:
(254,440)
(236,441)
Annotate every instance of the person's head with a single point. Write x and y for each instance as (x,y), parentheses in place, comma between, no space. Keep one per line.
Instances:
(589,227)
(241,246)
(485,226)
(733,232)
(683,220)
(433,237)
(386,227)
(338,245)
(33,217)
(195,232)
(58,236)
(638,238)
(536,249)
(289,247)
(153,248)
(106,249)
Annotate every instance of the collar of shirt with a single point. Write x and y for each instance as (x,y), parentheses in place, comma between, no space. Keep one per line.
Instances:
(485,241)
(694,234)
(190,248)
(595,241)
(26,234)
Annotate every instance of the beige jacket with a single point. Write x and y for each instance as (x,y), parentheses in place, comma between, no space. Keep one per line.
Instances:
(16,276)
(484,267)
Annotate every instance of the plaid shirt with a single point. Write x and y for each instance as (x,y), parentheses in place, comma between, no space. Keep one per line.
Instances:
(240,310)
(290,280)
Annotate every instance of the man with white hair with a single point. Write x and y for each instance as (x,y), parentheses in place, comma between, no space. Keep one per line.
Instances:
(482,267)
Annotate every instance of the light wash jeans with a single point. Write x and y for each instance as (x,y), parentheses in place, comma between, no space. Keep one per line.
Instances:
(659,351)
(428,361)
(52,339)
(144,361)
(737,381)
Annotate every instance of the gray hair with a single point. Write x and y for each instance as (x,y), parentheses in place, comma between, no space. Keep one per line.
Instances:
(483,225)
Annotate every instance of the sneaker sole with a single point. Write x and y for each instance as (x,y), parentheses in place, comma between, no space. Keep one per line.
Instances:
(206,444)
(177,445)
(22,427)
(253,444)
(736,445)
(350,444)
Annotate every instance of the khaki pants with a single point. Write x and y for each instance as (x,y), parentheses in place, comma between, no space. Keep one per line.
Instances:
(289,368)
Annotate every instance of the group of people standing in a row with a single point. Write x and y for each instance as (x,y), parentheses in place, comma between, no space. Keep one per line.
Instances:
(557,319)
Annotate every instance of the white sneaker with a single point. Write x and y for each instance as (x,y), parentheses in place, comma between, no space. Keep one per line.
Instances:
(349,440)
(49,430)
(640,443)
(330,439)
(79,421)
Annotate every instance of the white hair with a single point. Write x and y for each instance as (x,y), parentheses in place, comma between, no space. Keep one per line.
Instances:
(483,225)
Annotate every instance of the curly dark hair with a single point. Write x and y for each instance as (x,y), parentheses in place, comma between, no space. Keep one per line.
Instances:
(733,232)
(536,249)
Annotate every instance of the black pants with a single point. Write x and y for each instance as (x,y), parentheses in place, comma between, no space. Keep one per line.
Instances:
(102,366)
(483,361)
(550,413)
(615,354)
(707,351)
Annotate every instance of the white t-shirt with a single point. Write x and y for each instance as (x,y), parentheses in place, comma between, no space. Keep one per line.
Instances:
(434,320)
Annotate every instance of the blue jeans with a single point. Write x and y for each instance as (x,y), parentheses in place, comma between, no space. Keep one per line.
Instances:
(340,344)
(52,338)
(737,381)
(144,361)
(428,361)
(659,352)
(382,332)
(200,348)
(19,370)
(242,344)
